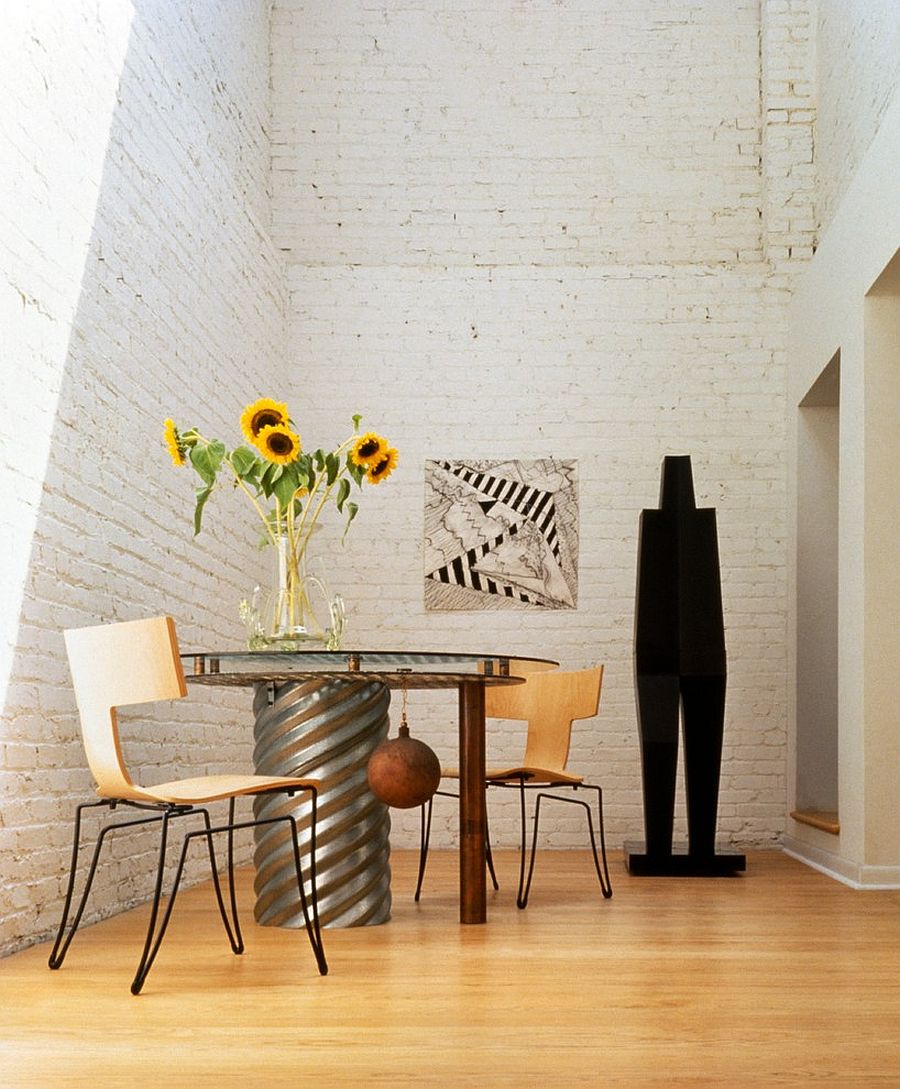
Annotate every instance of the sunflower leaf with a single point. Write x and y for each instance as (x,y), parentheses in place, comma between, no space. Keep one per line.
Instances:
(285,486)
(356,471)
(310,480)
(207,460)
(246,463)
(202,495)
(342,493)
(305,474)
(352,508)
(319,458)
(270,475)
(332,468)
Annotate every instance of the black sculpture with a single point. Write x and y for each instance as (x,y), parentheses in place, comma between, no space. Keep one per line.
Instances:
(679,660)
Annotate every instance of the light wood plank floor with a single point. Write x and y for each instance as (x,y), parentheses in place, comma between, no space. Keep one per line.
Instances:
(780,977)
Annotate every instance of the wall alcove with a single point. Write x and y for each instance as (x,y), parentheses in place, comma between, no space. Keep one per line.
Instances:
(818,490)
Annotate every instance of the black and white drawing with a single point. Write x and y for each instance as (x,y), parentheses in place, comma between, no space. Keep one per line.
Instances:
(501,534)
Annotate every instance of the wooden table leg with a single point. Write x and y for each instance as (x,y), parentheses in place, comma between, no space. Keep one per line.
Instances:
(472,880)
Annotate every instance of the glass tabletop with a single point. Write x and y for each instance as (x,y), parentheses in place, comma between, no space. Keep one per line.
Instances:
(387,663)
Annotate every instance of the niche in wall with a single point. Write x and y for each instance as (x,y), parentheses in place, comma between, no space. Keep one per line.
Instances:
(818,460)
(881,647)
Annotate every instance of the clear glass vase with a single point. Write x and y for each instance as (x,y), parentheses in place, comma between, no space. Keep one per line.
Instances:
(299,612)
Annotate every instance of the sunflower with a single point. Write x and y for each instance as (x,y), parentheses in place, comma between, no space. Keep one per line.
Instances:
(382,469)
(262,413)
(278,444)
(368,450)
(174,443)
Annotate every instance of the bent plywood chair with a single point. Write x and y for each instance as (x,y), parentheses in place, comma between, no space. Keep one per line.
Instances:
(549,701)
(137,662)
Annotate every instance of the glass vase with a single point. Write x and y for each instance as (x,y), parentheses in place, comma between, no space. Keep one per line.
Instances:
(299,612)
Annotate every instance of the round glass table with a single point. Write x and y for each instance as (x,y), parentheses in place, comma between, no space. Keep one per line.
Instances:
(321,714)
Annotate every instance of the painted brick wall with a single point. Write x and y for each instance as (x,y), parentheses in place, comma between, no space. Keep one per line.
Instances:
(511,230)
(534,229)
(591,132)
(787,87)
(858,72)
(139,282)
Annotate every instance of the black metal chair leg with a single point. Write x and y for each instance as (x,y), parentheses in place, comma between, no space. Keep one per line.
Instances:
(600,861)
(232,925)
(61,945)
(150,949)
(605,883)
(424,839)
(520,902)
(488,853)
(156,934)
(311,918)
(522,899)
(57,956)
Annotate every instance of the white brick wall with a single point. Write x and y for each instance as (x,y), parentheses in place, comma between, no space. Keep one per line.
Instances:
(139,281)
(616,367)
(858,73)
(511,229)
(532,229)
(592,132)
(787,60)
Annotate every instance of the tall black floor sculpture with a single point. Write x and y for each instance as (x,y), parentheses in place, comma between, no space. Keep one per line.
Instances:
(679,659)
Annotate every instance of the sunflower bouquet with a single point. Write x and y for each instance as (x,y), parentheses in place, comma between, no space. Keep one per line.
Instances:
(289,488)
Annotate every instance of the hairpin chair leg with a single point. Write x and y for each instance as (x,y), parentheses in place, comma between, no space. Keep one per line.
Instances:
(63,939)
(156,934)
(312,919)
(148,954)
(602,873)
(488,853)
(425,837)
(522,892)
(313,926)
(605,883)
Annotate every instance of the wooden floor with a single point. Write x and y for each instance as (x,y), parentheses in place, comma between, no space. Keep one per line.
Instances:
(780,977)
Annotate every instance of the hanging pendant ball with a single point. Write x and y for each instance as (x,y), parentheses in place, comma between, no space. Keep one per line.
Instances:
(404,772)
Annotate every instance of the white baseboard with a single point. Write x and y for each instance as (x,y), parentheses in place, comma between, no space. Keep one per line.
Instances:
(871,878)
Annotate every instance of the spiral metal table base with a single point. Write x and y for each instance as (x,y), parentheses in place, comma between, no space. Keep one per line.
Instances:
(326,730)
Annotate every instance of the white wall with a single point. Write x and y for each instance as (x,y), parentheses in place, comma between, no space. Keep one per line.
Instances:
(834,310)
(516,231)
(858,70)
(509,231)
(139,281)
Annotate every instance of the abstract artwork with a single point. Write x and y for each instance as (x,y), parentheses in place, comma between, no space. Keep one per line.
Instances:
(501,534)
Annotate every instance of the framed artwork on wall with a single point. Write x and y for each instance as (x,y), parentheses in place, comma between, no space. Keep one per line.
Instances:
(501,534)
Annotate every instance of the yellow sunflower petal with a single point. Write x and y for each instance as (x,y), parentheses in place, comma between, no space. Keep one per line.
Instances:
(278,444)
(382,469)
(368,450)
(263,413)
(173,443)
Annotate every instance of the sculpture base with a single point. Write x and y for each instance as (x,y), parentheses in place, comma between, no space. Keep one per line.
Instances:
(682,864)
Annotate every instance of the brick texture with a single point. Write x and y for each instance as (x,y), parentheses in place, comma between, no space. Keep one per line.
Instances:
(542,229)
(858,74)
(139,282)
(495,230)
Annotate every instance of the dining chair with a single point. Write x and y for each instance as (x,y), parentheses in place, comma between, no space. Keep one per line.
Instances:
(137,662)
(549,701)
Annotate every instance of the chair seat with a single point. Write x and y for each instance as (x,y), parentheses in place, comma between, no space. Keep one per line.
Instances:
(549,702)
(531,774)
(213,788)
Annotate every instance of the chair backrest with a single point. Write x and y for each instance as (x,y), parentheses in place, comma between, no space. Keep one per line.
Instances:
(549,701)
(113,665)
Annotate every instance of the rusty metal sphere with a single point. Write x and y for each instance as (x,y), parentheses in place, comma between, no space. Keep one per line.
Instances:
(404,772)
